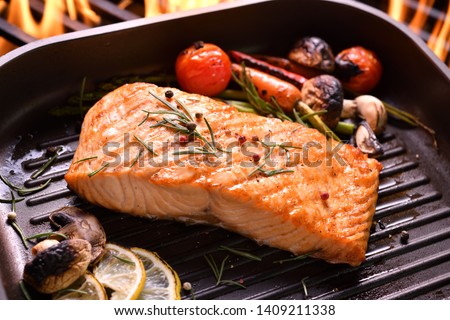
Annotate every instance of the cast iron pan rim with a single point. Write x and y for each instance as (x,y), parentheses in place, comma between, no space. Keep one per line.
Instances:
(118,27)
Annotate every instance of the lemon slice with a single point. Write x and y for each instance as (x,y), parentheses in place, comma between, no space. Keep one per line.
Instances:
(121,272)
(87,287)
(162,282)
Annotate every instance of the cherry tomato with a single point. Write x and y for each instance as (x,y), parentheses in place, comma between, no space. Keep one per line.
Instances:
(359,69)
(203,68)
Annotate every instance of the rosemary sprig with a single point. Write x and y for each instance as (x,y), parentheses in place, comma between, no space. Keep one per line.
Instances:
(218,271)
(103,167)
(169,105)
(24,191)
(85,159)
(47,164)
(315,120)
(145,145)
(241,253)
(261,106)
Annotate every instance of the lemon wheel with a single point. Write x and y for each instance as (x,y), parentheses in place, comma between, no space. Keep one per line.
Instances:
(162,282)
(121,272)
(87,287)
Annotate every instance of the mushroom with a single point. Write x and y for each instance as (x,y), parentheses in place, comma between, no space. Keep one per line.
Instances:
(58,266)
(78,224)
(324,92)
(366,140)
(368,108)
(313,52)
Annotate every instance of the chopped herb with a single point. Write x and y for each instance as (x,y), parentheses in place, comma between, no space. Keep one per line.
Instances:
(145,145)
(241,253)
(46,235)
(122,259)
(85,159)
(47,164)
(93,173)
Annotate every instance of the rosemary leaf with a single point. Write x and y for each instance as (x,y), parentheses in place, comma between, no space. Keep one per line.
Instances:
(11,200)
(305,289)
(270,173)
(46,165)
(145,118)
(25,191)
(182,105)
(20,233)
(195,151)
(72,290)
(24,290)
(167,104)
(213,266)
(316,121)
(257,169)
(211,133)
(241,253)
(136,159)
(47,234)
(122,259)
(93,173)
(145,145)
(300,257)
(234,283)
(85,159)
(9,184)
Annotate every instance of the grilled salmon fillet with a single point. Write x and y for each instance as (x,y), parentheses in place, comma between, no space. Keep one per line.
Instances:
(160,152)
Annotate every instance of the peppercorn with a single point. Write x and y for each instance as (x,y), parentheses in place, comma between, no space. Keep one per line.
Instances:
(255,138)
(324,195)
(198,115)
(404,237)
(187,286)
(191,126)
(256,157)
(168,94)
(242,139)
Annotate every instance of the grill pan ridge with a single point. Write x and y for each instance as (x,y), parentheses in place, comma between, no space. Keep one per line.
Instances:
(414,185)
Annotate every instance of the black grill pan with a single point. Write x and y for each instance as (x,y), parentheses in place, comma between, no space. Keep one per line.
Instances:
(414,186)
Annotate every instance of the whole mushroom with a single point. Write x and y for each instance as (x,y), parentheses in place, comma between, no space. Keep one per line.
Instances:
(75,223)
(58,266)
(366,140)
(368,108)
(313,52)
(324,92)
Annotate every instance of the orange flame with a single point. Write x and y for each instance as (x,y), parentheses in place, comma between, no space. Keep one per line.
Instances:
(51,24)
(439,40)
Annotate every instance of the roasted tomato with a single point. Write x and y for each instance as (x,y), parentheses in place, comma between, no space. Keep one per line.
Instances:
(203,68)
(359,69)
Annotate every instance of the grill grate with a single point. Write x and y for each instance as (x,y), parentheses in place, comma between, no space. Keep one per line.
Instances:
(407,201)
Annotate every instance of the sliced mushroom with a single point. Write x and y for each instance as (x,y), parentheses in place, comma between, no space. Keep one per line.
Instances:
(313,52)
(324,92)
(368,108)
(367,141)
(78,224)
(58,266)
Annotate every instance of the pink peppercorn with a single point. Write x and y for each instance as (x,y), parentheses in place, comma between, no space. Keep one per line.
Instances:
(324,195)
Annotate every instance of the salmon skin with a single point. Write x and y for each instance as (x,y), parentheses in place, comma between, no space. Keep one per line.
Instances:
(160,152)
